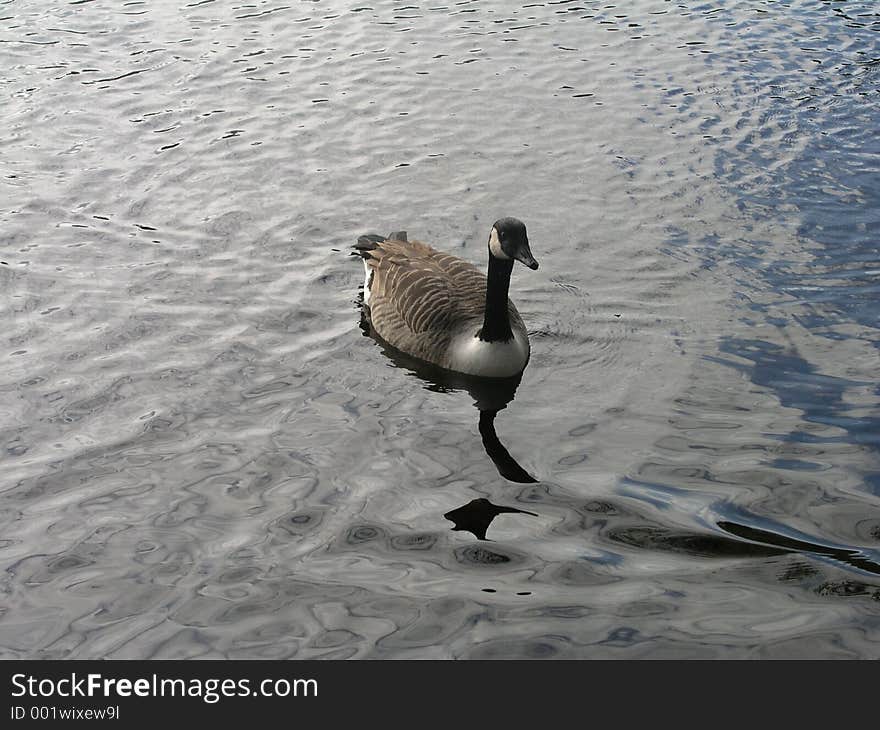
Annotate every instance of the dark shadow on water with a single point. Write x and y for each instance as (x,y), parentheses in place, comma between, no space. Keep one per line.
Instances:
(853,557)
(747,542)
(477,515)
(691,543)
(750,534)
(490,395)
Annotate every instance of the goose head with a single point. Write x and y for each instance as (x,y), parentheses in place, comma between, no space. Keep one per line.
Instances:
(508,240)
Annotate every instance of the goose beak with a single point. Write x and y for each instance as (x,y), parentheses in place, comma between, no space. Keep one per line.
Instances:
(524,256)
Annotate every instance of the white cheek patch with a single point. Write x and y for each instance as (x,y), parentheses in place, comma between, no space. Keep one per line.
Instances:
(495,246)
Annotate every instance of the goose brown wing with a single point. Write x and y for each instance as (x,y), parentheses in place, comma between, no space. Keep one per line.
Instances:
(429,290)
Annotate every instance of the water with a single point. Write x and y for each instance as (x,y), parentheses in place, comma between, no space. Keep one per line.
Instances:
(203,455)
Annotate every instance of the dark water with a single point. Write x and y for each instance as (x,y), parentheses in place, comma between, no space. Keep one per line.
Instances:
(203,455)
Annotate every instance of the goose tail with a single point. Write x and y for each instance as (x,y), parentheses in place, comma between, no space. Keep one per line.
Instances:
(367,243)
(371,241)
(369,248)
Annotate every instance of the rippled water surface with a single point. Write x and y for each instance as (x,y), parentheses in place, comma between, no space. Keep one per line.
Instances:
(204,456)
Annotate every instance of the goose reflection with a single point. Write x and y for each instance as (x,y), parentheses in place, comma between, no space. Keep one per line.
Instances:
(489,395)
(477,515)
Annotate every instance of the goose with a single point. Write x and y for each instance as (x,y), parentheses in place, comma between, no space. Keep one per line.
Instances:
(441,309)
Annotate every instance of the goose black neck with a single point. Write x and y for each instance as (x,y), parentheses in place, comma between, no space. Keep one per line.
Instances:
(496,321)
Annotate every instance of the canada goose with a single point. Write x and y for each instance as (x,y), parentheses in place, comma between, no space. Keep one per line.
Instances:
(443,310)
